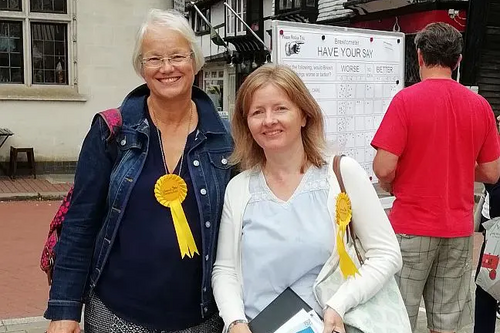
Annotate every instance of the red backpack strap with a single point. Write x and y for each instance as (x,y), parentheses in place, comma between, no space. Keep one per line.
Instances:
(112,118)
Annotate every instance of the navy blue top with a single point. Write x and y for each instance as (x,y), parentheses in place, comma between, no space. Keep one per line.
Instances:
(145,280)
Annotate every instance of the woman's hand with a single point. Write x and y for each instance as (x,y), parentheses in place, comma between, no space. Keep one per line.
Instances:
(332,321)
(64,326)
(240,328)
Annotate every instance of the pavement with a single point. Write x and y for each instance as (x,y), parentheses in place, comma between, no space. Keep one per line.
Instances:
(45,187)
(26,208)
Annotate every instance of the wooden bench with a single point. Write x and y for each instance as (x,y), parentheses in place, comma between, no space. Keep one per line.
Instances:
(4,135)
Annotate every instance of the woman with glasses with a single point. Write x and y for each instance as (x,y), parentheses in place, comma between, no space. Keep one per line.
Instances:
(138,241)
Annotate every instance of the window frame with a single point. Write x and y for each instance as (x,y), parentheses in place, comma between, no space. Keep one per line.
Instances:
(233,26)
(207,79)
(199,26)
(26,17)
(296,5)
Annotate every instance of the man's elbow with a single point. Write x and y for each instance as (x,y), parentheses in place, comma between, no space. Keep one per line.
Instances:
(492,177)
(490,172)
(383,173)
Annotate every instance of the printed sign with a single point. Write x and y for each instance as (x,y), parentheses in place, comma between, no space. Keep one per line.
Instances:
(352,73)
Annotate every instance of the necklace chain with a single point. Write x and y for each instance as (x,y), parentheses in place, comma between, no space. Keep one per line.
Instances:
(182,154)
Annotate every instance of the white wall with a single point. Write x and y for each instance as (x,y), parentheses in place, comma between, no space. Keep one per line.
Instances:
(217,17)
(105,40)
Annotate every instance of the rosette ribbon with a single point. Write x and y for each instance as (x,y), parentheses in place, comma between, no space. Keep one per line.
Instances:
(343,214)
(170,191)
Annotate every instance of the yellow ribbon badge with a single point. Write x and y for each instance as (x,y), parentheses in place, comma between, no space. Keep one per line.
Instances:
(343,214)
(170,191)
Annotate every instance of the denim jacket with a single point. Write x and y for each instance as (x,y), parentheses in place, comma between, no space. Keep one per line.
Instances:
(105,175)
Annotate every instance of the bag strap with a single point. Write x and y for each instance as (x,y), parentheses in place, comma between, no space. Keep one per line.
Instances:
(350,231)
(113,119)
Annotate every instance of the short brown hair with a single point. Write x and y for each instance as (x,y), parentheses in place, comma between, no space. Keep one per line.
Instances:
(247,152)
(440,45)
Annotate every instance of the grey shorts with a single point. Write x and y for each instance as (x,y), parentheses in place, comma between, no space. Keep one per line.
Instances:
(99,319)
(439,269)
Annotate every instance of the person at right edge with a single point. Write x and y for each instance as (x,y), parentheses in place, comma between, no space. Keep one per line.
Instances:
(486,306)
(436,139)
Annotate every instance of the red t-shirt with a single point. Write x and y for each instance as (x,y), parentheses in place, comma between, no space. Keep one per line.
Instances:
(439,129)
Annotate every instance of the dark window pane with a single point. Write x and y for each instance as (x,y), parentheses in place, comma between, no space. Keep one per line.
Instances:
(16,75)
(14,5)
(49,6)
(11,52)
(310,3)
(49,43)
(48,48)
(15,60)
(37,50)
(48,62)
(15,30)
(38,76)
(4,44)
(60,6)
(4,59)
(4,75)
(37,63)
(36,5)
(4,29)
(17,45)
(60,48)
(49,77)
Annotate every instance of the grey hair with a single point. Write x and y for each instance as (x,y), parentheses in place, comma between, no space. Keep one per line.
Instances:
(173,20)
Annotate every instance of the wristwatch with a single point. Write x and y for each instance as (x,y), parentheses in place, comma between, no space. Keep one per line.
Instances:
(234,323)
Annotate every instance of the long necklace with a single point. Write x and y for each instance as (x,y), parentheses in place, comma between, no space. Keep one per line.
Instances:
(170,191)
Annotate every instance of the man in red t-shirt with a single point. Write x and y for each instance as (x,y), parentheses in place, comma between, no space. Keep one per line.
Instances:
(435,140)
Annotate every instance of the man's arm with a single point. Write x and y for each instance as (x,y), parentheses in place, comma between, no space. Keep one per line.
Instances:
(384,166)
(488,172)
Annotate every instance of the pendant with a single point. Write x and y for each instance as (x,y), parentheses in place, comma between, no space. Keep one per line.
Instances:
(170,191)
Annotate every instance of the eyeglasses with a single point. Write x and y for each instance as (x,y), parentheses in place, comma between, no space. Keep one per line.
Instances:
(173,60)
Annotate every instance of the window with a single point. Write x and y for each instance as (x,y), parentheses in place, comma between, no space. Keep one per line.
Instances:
(10,4)
(213,84)
(233,24)
(34,42)
(198,24)
(11,52)
(286,5)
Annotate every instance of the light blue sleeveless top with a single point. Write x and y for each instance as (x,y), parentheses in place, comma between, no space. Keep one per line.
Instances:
(285,244)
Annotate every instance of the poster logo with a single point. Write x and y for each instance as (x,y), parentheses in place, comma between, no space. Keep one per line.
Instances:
(292,48)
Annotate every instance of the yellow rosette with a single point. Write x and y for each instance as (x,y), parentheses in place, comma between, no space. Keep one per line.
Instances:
(170,191)
(343,214)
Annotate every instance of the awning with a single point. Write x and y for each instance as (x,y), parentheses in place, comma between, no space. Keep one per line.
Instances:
(308,15)
(294,16)
(245,43)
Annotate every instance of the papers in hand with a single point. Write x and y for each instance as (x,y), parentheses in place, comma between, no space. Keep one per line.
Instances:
(302,322)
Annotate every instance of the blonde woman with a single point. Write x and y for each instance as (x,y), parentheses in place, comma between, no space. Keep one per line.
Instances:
(278,228)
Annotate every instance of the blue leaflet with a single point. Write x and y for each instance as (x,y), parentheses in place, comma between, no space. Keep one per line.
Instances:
(307,330)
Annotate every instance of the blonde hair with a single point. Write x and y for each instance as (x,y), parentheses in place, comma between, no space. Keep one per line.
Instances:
(173,20)
(247,152)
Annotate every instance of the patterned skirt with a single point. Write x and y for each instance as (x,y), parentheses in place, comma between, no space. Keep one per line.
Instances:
(99,319)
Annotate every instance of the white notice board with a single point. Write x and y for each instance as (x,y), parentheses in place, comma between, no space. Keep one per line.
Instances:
(352,73)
